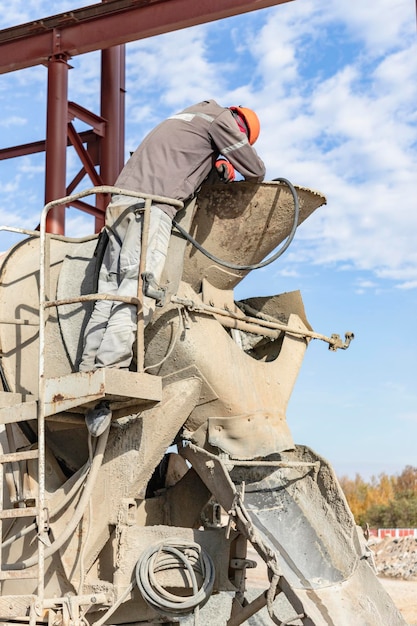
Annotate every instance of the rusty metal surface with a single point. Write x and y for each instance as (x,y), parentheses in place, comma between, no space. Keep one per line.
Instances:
(78,389)
(108,24)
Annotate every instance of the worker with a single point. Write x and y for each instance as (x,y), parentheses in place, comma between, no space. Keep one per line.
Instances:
(172,161)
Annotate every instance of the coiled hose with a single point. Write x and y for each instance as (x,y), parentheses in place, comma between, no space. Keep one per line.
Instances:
(191,559)
(255,266)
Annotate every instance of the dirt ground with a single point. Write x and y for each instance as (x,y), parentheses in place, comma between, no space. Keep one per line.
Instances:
(396,563)
(404,594)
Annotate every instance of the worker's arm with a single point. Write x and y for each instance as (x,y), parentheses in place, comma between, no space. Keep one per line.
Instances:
(234,145)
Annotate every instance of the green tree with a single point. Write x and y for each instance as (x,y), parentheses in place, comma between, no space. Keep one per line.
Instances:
(406,483)
(399,513)
(362,496)
(385,501)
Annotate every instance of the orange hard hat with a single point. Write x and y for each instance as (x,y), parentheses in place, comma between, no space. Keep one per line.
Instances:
(251,121)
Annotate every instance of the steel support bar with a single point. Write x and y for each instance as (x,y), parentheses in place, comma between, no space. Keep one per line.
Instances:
(112,110)
(84,156)
(97,123)
(109,24)
(87,208)
(75,181)
(87,136)
(122,105)
(112,145)
(245,612)
(56,141)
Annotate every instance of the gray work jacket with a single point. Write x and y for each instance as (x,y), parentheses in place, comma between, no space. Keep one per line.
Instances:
(177,156)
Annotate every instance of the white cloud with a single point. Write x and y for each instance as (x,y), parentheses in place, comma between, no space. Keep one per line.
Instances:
(380,27)
(77,224)
(352,135)
(347,128)
(410,416)
(173,68)
(21,11)
(408,285)
(11,186)
(13,120)
(28,166)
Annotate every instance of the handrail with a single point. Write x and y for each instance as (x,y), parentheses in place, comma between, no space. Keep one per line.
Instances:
(36,233)
(44,251)
(45,304)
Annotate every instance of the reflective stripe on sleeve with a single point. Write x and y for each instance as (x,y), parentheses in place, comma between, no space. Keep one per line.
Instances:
(188,117)
(235,146)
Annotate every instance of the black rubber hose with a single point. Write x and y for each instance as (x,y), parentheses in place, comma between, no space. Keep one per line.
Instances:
(256,266)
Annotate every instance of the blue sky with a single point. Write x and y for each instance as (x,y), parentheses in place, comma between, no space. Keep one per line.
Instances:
(335,86)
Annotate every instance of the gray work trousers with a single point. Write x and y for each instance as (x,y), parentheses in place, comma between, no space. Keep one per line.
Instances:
(111,330)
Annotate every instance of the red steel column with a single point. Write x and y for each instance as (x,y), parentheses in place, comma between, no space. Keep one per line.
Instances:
(56,141)
(122,49)
(112,110)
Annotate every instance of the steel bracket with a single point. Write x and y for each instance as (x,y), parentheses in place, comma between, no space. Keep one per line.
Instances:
(152,290)
(242,564)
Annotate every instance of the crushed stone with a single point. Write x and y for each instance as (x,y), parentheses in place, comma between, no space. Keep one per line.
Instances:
(395,557)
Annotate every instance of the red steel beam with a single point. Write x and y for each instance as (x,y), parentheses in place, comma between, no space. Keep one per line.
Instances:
(75,181)
(97,122)
(87,208)
(87,136)
(84,156)
(109,24)
(56,142)
(112,106)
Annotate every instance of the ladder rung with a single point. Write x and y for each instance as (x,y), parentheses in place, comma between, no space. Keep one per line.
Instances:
(16,606)
(20,412)
(30,511)
(10,399)
(12,457)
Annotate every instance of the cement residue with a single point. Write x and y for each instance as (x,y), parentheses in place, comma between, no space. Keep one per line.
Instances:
(396,558)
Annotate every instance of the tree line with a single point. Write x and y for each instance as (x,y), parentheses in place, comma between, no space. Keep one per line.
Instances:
(385,501)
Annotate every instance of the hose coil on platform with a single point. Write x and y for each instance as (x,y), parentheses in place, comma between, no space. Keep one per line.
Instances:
(189,558)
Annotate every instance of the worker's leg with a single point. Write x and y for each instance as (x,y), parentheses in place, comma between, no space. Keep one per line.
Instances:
(116,346)
(96,326)
(158,243)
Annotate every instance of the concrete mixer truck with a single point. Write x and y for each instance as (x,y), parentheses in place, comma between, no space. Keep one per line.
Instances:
(162,518)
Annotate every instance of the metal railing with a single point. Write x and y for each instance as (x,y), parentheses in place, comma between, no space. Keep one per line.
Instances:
(45,303)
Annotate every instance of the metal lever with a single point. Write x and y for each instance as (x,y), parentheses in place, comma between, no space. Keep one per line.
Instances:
(151,289)
(335,342)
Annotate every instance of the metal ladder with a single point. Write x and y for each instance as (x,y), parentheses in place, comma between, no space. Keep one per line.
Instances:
(18,606)
(56,395)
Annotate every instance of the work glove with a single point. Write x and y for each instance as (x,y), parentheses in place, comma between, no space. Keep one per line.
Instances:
(225,170)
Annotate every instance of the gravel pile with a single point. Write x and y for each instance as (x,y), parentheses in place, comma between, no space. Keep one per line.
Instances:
(396,558)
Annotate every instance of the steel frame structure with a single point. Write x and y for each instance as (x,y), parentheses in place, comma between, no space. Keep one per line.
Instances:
(105,26)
